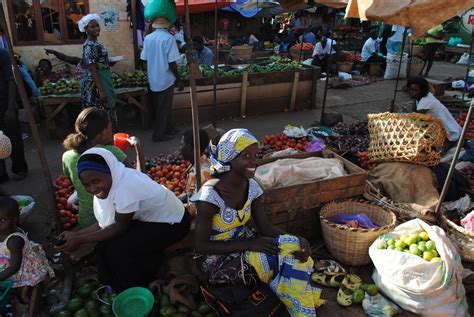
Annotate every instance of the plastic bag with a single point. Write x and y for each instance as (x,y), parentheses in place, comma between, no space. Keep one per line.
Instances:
(362,219)
(427,288)
(294,132)
(468,222)
(344,76)
(379,306)
(317,145)
(464,59)
(160,8)
(26,204)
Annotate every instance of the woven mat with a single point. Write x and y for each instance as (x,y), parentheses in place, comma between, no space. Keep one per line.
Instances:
(362,81)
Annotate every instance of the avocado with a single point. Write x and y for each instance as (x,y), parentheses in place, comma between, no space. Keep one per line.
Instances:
(85,290)
(105,309)
(167,310)
(203,308)
(195,313)
(74,304)
(183,309)
(81,313)
(64,313)
(92,305)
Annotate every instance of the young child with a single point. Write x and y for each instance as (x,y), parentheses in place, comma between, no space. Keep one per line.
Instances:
(21,260)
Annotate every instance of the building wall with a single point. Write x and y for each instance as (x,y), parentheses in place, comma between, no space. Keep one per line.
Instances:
(117,43)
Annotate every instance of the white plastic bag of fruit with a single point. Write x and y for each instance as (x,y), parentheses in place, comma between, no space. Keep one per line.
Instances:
(411,275)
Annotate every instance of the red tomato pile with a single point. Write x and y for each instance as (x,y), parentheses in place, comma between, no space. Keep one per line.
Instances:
(281,142)
(306,47)
(172,176)
(365,163)
(470,131)
(64,190)
(350,57)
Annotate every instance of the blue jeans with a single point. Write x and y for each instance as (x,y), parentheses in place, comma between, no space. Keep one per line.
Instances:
(393,47)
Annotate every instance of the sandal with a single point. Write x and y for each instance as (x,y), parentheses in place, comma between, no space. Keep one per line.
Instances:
(350,283)
(328,273)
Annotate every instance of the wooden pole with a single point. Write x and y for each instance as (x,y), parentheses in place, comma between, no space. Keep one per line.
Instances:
(31,120)
(216,62)
(193,96)
(133,13)
(243,95)
(392,105)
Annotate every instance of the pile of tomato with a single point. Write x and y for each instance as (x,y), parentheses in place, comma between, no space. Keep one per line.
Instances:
(470,131)
(280,142)
(365,162)
(172,176)
(306,47)
(64,190)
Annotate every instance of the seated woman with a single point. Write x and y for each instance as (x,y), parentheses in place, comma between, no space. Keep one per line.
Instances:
(230,253)
(44,72)
(136,220)
(425,102)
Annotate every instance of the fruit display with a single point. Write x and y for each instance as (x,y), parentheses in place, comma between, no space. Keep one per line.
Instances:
(222,42)
(172,176)
(418,244)
(61,87)
(117,80)
(280,142)
(135,79)
(350,57)
(64,190)
(470,131)
(353,137)
(364,161)
(305,46)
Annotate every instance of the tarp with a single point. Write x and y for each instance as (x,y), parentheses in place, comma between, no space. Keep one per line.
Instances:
(241,6)
(200,6)
(420,15)
(338,4)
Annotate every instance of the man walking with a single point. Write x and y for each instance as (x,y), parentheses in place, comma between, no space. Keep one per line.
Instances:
(161,53)
(9,123)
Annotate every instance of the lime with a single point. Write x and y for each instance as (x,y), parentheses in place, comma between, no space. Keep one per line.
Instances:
(358,296)
(398,249)
(436,259)
(414,249)
(382,245)
(372,290)
(391,242)
(424,236)
(391,247)
(430,245)
(427,255)
(400,244)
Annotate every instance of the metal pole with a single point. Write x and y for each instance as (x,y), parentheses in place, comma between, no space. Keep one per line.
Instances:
(32,124)
(193,96)
(216,62)
(133,12)
(392,105)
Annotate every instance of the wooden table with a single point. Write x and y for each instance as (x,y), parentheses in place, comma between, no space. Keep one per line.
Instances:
(54,104)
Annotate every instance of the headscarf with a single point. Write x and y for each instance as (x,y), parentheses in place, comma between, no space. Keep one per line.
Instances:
(86,20)
(229,147)
(128,187)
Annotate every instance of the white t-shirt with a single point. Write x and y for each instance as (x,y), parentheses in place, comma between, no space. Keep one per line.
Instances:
(164,207)
(368,49)
(319,50)
(398,36)
(437,109)
(160,49)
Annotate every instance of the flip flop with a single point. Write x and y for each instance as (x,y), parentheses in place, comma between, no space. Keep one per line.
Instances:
(324,279)
(350,283)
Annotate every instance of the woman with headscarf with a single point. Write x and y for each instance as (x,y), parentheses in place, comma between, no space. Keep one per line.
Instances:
(97,89)
(136,220)
(230,253)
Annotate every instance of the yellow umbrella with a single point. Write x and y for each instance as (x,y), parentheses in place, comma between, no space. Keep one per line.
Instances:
(420,15)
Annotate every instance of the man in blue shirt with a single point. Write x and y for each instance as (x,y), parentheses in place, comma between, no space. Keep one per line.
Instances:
(202,55)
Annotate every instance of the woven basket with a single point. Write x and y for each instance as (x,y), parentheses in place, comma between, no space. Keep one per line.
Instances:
(5,146)
(403,211)
(405,138)
(345,67)
(415,69)
(349,245)
(461,238)
(242,52)
(376,69)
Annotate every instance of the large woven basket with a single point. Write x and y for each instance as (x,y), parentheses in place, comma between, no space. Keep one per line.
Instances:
(345,66)
(461,238)
(243,52)
(405,137)
(350,245)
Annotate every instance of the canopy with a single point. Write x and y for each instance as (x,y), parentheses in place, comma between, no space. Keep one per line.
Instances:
(338,4)
(420,15)
(251,9)
(200,6)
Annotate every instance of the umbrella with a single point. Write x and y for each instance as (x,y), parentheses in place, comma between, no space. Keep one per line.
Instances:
(338,4)
(200,6)
(420,15)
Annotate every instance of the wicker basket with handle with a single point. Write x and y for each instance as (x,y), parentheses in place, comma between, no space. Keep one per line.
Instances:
(351,245)
(462,238)
(5,146)
(405,137)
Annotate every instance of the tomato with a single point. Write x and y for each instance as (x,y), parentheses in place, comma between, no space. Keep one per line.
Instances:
(165,170)
(67,225)
(60,206)
(64,219)
(73,221)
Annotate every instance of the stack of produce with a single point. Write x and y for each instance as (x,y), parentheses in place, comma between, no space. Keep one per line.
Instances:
(64,190)
(172,176)
(74,85)
(135,79)
(353,137)
(417,243)
(364,161)
(470,131)
(117,80)
(62,87)
(350,57)
(280,142)
(307,47)
(47,88)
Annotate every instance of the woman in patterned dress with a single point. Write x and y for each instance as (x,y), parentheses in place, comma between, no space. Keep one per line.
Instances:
(230,253)
(96,88)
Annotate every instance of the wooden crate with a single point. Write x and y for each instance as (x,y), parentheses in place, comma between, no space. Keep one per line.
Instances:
(294,208)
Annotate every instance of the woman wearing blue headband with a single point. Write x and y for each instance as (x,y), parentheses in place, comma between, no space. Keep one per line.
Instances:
(136,220)
(231,254)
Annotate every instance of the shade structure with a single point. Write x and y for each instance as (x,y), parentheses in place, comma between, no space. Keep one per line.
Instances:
(338,4)
(420,15)
(200,6)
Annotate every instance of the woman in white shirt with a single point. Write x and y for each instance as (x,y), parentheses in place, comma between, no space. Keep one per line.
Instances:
(418,89)
(136,220)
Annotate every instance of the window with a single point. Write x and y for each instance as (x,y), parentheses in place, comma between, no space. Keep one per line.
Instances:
(36,22)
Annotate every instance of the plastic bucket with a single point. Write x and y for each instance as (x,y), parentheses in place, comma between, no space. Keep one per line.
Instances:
(121,141)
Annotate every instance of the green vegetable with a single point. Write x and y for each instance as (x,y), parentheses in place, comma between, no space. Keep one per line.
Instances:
(195,313)
(105,309)
(167,310)
(203,308)
(64,313)
(74,304)
(92,305)
(81,313)
(85,290)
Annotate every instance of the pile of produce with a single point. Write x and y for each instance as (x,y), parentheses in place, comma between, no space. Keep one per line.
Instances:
(364,161)
(222,42)
(470,131)
(306,47)
(353,137)
(468,173)
(64,190)
(61,87)
(172,176)
(135,79)
(418,244)
(117,80)
(280,141)
(350,57)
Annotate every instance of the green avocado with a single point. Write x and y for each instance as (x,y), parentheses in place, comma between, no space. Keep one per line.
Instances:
(85,290)
(81,313)
(64,313)
(92,305)
(105,309)
(74,304)
(167,311)
(183,309)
